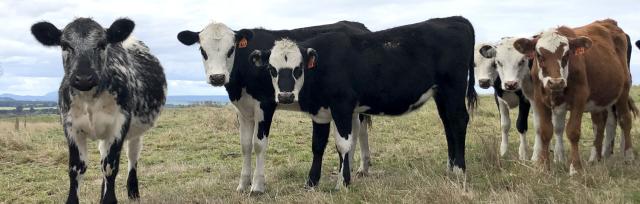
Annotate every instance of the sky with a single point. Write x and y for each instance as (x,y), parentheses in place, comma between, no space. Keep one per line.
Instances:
(28,68)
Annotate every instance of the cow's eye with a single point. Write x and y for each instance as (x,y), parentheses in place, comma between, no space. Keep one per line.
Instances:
(521,63)
(565,60)
(230,52)
(273,72)
(297,72)
(493,65)
(101,46)
(66,47)
(204,54)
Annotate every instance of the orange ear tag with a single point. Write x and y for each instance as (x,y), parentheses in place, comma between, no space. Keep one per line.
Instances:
(243,43)
(312,63)
(580,51)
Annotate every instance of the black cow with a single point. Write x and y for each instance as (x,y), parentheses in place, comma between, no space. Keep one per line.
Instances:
(225,54)
(390,72)
(113,90)
(638,44)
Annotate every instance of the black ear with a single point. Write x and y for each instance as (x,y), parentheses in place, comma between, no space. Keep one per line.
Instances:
(312,58)
(259,57)
(120,30)
(638,44)
(46,33)
(189,37)
(488,51)
(243,37)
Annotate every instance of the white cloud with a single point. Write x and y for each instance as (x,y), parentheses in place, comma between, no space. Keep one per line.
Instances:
(158,22)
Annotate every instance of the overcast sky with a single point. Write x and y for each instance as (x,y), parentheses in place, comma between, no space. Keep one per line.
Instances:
(31,69)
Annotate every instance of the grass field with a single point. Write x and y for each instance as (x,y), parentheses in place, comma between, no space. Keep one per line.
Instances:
(193,156)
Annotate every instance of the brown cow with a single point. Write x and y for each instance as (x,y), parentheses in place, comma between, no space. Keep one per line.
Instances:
(580,69)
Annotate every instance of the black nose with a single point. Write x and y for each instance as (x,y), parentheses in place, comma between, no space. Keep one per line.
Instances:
(511,85)
(84,82)
(285,97)
(484,83)
(217,79)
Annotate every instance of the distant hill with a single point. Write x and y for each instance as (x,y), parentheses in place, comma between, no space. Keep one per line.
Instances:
(51,96)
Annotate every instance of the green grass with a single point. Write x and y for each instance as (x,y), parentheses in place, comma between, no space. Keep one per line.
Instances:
(193,155)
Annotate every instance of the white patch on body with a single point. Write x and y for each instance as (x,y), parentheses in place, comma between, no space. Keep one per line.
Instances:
(423,98)
(510,99)
(558,121)
(323,116)
(95,118)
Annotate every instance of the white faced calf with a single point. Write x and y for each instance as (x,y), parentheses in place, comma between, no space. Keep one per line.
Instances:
(113,90)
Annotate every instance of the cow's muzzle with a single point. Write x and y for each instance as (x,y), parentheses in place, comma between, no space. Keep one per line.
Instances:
(217,79)
(286,97)
(511,85)
(556,84)
(84,81)
(484,83)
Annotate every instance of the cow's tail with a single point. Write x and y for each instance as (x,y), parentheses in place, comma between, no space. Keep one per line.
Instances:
(472,96)
(633,108)
(632,105)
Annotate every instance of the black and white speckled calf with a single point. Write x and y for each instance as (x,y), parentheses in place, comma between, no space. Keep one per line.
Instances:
(113,90)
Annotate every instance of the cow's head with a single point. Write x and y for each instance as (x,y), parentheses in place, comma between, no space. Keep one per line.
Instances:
(512,66)
(551,52)
(484,65)
(85,46)
(286,63)
(217,46)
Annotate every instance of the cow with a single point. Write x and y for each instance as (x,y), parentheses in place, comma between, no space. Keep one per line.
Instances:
(579,70)
(638,44)
(486,72)
(337,76)
(112,91)
(225,53)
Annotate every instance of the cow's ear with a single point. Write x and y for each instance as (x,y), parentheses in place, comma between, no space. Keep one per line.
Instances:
(526,47)
(120,30)
(259,57)
(579,45)
(243,37)
(46,33)
(638,44)
(488,51)
(312,58)
(189,37)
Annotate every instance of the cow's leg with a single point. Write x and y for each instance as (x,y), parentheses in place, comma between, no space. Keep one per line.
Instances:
(77,162)
(262,118)
(342,115)
(505,125)
(624,116)
(521,125)
(537,143)
(598,120)
(453,113)
(573,134)
(365,154)
(609,134)
(110,153)
(319,143)
(133,153)
(544,130)
(355,131)
(246,136)
(558,120)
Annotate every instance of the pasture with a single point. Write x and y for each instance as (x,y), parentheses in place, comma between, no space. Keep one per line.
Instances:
(193,156)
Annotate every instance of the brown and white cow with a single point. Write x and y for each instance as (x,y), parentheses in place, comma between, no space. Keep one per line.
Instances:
(579,70)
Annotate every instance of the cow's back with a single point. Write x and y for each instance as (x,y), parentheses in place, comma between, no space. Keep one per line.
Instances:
(605,61)
(148,89)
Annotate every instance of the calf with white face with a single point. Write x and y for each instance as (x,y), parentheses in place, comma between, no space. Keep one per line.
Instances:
(113,90)
(487,74)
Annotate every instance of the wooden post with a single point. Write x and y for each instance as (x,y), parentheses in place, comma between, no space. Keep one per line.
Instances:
(17,123)
(25,122)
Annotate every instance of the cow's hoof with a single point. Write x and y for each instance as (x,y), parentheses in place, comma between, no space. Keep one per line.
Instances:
(572,170)
(242,188)
(362,173)
(629,155)
(503,149)
(258,189)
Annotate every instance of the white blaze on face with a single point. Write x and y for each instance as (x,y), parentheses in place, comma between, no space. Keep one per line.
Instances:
(511,65)
(484,67)
(216,41)
(550,40)
(286,57)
